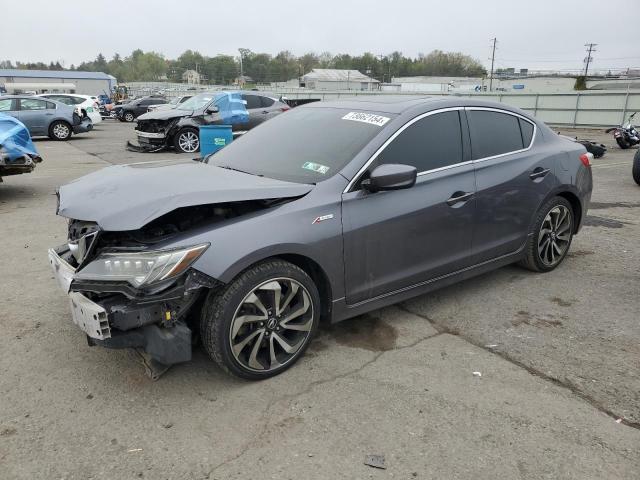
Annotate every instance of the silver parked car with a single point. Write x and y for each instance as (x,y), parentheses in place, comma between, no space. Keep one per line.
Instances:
(45,117)
(174,103)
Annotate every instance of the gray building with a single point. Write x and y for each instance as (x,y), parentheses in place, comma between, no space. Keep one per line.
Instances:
(334,79)
(50,81)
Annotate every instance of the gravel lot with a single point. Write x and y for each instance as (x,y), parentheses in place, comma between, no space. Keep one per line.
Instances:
(559,356)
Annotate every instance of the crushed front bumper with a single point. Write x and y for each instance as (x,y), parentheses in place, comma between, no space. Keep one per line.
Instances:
(85,125)
(117,324)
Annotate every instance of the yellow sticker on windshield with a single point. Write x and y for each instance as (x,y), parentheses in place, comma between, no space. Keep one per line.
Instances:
(370,118)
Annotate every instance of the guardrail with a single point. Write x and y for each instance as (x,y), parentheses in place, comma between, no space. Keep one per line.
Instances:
(571,109)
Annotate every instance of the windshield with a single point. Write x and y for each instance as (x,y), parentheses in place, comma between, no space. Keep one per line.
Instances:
(198,102)
(304,145)
(174,101)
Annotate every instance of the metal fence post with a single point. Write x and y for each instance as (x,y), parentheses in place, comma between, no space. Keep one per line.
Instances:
(624,109)
(535,106)
(575,113)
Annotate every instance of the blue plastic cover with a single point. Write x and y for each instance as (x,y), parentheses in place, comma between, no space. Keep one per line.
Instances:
(232,108)
(15,140)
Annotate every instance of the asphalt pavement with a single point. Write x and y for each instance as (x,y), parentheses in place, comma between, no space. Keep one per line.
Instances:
(508,375)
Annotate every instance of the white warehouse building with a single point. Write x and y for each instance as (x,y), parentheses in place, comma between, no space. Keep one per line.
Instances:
(335,79)
(52,81)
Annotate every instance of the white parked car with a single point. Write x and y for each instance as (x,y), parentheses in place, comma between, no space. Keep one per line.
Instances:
(85,105)
(174,103)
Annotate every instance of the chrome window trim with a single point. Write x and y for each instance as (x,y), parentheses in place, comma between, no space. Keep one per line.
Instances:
(363,169)
(434,112)
(498,110)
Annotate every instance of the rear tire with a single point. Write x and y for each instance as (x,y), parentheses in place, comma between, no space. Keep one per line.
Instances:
(550,236)
(622,143)
(187,140)
(261,323)
(635,171)
(60,131)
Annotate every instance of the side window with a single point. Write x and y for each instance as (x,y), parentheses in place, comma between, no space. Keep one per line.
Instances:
(32,104)
(267,102)
(493,133)
(51,106)
(158,101)
(184,99)
(253,101)
(527,132)
(432,142)
(5,105)
(144,103)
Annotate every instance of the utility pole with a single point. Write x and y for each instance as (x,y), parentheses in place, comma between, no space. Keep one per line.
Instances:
(493,57)
(588,58)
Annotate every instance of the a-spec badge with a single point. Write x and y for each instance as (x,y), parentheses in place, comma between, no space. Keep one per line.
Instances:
(322,218)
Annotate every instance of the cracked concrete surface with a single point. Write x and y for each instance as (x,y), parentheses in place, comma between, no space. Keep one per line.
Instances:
(557,352)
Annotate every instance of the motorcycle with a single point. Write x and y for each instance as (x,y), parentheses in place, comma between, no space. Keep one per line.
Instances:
(626,135)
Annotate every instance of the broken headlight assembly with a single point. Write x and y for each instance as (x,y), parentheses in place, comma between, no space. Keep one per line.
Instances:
(141,268)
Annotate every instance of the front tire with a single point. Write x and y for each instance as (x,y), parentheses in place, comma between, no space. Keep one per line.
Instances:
(60,131)
(261,323)
(635,171)
(187,141)
(129,117)
(550,236)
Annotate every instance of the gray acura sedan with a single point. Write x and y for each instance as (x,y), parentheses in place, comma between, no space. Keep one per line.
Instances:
(325,212)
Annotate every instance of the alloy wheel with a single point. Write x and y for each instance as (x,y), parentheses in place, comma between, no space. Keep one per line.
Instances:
(555,235)
(61,131)
(271,325)
(128,117)
(189,142)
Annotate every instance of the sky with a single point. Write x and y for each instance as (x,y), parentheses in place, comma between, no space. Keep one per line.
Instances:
(539,35)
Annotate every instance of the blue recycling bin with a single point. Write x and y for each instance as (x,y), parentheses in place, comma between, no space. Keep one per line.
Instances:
(213,138)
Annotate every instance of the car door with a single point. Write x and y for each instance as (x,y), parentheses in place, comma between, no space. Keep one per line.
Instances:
(254,109)
(396,239)
(36,114)
(512,179)
(141,107)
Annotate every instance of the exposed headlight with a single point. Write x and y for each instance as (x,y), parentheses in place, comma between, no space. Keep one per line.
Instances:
(141,268)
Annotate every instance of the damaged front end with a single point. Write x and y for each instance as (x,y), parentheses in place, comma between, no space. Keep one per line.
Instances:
(132,295)
(153,135)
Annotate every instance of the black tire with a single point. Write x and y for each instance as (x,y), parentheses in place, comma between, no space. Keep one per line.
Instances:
(535,260)
(222,307)
(60,131)
(622,143)
(635,171)
(185,137)
(128,117)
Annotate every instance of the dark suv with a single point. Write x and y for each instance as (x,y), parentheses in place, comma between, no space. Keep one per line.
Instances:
(128,112)
(323,213)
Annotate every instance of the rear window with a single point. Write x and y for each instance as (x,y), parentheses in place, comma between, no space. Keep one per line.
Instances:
(267,102)
(253,101)
(493,133)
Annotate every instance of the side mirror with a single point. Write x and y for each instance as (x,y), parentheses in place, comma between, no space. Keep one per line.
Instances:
(390,176)
(213,109)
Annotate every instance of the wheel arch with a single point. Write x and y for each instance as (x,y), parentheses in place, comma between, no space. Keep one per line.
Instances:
(576,206)
(309,265)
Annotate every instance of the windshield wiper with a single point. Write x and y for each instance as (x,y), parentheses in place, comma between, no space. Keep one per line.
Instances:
(227,167)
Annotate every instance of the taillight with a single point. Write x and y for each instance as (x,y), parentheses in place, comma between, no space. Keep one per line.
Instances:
(586,158)
(284,109)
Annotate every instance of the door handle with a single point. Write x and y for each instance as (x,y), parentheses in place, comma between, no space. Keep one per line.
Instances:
(459,197)
(265,112)
(538,172)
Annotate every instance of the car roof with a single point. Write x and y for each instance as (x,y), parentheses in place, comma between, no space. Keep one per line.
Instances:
(398,104)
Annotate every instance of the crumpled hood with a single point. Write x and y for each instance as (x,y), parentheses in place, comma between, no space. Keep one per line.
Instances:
(127,197)
(165,114)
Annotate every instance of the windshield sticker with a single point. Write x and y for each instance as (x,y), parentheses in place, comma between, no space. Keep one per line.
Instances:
(315,167)
(370,118)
